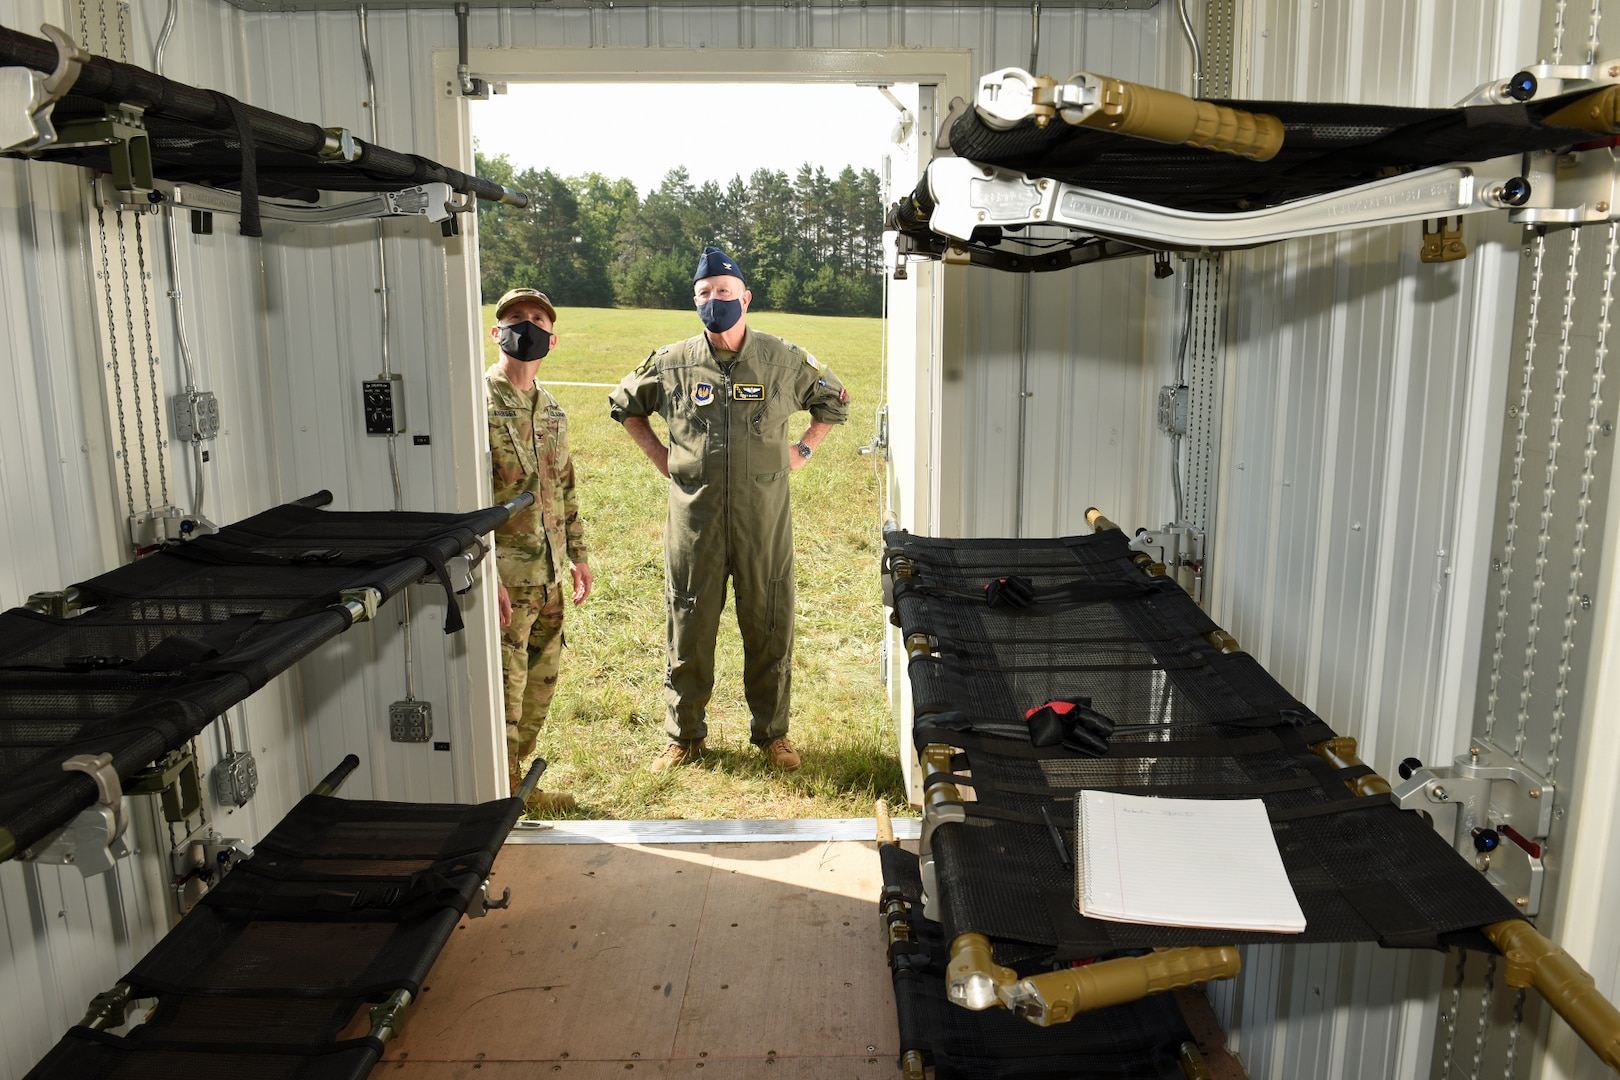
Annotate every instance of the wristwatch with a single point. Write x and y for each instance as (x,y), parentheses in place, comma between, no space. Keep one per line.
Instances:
(804,451)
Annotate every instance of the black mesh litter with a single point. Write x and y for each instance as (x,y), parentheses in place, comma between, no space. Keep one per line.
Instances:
(1141,1040)
(1189,721)
(197,135)
(1326,147)
(278,960)
(166,644)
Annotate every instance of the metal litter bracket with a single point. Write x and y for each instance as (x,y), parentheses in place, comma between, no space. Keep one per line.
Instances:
(94,839)
(28,97)
(482,905)
(1488,789)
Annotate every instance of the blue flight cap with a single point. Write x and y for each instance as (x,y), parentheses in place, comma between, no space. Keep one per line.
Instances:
(716,263)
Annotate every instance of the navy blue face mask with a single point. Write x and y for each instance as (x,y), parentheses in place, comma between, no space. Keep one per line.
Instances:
(719,315)
(525,341)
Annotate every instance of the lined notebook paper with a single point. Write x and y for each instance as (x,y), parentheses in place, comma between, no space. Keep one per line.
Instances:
(1181,862)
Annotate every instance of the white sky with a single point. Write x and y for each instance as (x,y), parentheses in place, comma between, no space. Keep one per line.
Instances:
(642,131)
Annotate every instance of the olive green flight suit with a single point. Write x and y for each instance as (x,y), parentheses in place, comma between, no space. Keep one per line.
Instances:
(728,512)
(528,447)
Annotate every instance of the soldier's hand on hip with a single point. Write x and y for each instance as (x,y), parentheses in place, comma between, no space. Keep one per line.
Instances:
(503,603)
(582,581)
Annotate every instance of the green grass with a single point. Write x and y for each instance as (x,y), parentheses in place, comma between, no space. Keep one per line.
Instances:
(607,721)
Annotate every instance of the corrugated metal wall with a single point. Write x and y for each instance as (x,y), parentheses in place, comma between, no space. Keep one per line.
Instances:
(1363,394)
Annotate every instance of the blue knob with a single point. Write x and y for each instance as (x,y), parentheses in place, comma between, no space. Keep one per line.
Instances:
(1516,191)
(1486,839)
(1521,87)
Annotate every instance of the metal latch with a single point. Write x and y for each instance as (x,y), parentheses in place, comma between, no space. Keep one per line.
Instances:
(94,839)
(27,97)
(362,603)
(482,905)
(1494,810)
(1443,242)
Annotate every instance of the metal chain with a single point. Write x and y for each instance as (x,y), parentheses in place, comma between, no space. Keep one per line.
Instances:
(112,359)
(152,362)
(1549,490)
(1583,505)
(129,320)
(1517,1026)
(84,23)
(1532,321)
(123,28)
(1480,1030)
(1448,1018)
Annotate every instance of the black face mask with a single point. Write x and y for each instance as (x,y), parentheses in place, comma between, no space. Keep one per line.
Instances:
(525,341)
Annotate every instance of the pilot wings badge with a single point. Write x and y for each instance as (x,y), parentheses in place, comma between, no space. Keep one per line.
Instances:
(704,394)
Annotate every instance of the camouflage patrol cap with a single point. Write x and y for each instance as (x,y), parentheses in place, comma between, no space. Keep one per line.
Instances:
(512,296)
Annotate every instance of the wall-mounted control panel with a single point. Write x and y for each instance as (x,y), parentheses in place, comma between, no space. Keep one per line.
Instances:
(383,400)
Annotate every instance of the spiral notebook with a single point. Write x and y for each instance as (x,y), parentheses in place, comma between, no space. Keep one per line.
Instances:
(1181,862)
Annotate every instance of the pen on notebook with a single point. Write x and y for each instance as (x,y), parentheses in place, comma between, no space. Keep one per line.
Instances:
(1057,837)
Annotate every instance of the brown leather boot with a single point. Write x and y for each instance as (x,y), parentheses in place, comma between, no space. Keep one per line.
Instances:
(550,802)
(781,754)
(676,754)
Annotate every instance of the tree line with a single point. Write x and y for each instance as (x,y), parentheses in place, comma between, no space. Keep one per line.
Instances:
(810,243)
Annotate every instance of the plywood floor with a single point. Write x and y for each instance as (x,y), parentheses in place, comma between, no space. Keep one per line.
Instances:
(716,961)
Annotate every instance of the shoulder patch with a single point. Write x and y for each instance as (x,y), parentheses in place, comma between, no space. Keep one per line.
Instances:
(812,361)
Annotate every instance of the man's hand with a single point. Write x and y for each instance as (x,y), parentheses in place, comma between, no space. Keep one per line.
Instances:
(503,603)
(796,460)
(582,581)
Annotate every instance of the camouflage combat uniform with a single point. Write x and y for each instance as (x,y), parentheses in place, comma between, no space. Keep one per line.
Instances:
(728,512)
(528,445)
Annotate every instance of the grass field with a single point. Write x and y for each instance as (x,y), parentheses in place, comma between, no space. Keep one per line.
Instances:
(607,721)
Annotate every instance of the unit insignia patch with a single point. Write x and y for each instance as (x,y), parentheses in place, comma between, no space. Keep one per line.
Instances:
(748,392)
(704,394)
(811,361)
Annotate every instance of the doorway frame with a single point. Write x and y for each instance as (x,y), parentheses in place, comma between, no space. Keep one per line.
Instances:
(949,71)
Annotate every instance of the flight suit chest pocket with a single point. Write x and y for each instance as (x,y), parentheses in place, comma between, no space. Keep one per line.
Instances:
(689,430)
(767,436)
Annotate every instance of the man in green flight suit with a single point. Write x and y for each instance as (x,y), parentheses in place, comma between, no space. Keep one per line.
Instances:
(728,395)
(539,552)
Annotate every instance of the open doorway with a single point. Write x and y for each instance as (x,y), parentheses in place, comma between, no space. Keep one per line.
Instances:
(792,180)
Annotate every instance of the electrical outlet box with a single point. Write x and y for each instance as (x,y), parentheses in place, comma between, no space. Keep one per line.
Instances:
(196,416)
(1173,410)
(236,778)
(383,400)
(410,721)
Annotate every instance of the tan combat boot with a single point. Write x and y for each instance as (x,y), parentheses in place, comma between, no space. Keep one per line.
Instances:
(676,754)
(781,754)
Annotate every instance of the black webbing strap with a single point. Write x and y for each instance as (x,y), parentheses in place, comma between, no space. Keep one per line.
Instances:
(452,610)
(388,901)
(1070,593)
(178,652)
(249,186)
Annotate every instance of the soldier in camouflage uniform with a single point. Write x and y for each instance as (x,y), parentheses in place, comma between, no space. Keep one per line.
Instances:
(540,552)
(728,395)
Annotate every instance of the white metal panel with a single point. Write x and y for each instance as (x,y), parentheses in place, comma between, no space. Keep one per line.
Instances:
(1350,533)
(67,937)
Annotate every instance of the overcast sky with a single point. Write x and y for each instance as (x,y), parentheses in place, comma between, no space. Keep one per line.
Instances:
(717,132)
